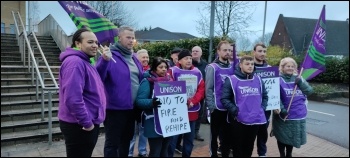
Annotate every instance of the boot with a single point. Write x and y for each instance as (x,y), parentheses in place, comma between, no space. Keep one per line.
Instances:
(198,137)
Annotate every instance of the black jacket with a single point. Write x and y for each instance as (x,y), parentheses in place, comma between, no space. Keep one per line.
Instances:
(201,66)
(227,94)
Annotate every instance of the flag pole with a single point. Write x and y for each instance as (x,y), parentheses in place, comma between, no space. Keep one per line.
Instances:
(295,88)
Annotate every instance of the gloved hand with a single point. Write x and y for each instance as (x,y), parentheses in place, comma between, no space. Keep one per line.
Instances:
(284,113)
(233,111)
(156,103)
(298,81)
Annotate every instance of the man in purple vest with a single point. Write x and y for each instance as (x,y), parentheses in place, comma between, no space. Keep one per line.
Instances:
(121,80)
(260,61)
(245,97)
(215,75)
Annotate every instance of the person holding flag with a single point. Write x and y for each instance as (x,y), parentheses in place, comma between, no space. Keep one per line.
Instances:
(289,128)
(291,132)
(122,80)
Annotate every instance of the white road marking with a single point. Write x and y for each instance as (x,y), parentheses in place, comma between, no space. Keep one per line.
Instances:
(321,112)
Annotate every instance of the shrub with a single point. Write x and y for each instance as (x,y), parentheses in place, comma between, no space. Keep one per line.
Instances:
(163,49)
(323,88)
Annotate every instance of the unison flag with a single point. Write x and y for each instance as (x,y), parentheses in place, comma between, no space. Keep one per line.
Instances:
(314,62)
(85,16)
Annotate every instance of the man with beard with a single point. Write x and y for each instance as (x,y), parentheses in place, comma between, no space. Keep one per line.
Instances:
(215,75)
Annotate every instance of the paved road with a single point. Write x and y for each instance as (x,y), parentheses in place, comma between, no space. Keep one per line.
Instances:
(329,121)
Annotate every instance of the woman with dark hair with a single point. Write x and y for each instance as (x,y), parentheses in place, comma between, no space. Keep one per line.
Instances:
(145,100)
(82,100)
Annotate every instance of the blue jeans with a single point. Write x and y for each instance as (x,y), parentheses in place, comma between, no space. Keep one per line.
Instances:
(142,141)
(187,142)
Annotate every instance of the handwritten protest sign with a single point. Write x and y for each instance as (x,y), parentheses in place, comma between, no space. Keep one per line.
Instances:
(173,113)
(270,77)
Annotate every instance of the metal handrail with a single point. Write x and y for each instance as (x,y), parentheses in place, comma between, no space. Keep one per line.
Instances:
(39,76)
(30,51)
(44,59)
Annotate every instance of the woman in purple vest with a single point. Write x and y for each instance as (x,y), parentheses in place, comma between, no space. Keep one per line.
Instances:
(146,101)
(291,132)
(245,98)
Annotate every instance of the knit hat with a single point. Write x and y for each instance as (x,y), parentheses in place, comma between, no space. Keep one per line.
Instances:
(184,53)
(175,50)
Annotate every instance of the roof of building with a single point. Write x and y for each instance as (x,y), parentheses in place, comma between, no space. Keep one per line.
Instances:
(337,34)
(160,34)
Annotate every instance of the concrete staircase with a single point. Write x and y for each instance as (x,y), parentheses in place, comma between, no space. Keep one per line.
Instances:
(20,111)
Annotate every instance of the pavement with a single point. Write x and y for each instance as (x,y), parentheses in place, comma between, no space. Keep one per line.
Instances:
(315,147)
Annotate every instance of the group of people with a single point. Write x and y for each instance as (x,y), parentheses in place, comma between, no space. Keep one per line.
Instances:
(118,92)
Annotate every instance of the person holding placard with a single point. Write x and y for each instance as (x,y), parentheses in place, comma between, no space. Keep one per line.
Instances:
(145,100)
(215,75)
(260,52)
(291,132)
(245,98)
(185,71)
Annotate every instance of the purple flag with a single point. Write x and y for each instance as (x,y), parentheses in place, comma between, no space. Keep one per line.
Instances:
(314,62)
(85,16)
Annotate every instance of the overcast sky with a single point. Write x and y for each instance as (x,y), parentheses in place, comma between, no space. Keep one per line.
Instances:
(181,16)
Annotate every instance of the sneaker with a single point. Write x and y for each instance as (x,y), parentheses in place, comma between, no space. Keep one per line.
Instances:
(219,151)
(179,149)
(142,155)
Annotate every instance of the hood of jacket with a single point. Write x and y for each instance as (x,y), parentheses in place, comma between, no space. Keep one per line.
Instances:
(74,52)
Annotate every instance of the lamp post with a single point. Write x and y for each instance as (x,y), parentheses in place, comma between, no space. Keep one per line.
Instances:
(263,35)
(211,34)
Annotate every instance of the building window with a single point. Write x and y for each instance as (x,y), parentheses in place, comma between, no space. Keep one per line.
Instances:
(12,28)
(2,27)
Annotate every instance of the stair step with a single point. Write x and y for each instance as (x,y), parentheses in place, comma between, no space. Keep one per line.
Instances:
(22,135)
(20,112)
(23,123)
(24,102)
(15,94)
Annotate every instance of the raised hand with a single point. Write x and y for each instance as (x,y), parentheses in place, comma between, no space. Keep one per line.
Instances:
(107,55)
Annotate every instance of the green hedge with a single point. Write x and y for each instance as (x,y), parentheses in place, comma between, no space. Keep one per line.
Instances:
(163,49)
(336,69)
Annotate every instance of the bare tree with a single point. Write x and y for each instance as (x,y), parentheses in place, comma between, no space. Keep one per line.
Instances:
(266,40)
(230,17)
(34,13)
(244,44)
(114,11)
